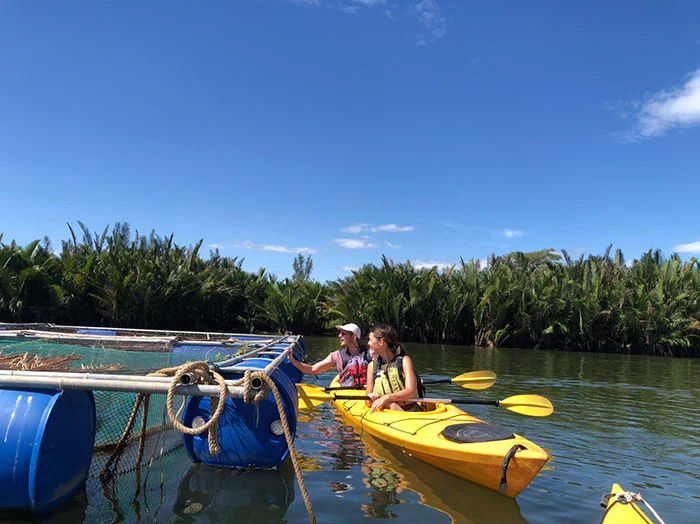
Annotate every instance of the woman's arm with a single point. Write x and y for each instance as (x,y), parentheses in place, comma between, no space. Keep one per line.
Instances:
(370,383)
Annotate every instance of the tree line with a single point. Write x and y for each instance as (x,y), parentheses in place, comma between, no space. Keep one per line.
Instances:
(542,299)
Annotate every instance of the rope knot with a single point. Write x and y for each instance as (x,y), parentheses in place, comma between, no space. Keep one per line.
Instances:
(255,386)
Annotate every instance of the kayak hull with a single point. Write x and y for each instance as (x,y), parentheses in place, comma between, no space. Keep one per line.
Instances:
(621,513)
(420,434)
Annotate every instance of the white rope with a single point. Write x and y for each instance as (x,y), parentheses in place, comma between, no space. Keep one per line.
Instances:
(627,497)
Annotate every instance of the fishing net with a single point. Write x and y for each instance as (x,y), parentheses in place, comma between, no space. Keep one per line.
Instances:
(133,430)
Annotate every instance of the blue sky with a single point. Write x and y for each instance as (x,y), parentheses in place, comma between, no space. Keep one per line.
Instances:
(346,129)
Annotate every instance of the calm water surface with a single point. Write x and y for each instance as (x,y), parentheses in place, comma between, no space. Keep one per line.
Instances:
(629,419)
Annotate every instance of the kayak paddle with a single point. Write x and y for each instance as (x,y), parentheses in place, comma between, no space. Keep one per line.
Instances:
(471,380)
(530,405)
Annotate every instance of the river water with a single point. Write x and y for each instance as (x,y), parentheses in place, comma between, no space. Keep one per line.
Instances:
(629,419)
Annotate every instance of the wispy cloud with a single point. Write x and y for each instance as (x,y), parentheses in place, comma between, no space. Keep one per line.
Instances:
(428,14)
(393,246)
(667,109)
(693,247)
(428,264)
(216,246)
(349,269)
(353,243)
(355,228)
(385,228)
(246,244)
(513,233)
(393,228)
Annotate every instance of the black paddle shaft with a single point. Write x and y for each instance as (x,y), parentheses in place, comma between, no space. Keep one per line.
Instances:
(445,400)
(424,382)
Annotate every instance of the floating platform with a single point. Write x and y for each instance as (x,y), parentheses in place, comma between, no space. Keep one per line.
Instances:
(128,339)
(42,464)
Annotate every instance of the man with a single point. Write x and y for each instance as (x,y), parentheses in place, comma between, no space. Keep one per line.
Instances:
(350,360)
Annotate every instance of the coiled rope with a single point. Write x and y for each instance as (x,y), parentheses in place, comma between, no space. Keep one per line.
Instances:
(627,497)
(206,376)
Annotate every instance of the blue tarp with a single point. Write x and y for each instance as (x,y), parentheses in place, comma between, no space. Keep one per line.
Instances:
(104,332)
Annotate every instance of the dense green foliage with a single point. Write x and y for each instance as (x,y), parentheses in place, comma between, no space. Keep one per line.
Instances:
(529,300)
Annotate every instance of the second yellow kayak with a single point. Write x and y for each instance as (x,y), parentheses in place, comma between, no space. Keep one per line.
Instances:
(453,441)
(620,510)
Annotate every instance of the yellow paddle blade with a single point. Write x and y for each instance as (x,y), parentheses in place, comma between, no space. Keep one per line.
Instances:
(311,396)
(532,405)
(476,379)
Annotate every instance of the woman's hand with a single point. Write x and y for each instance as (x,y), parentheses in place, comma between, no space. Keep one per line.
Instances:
(371,397)
(380,402)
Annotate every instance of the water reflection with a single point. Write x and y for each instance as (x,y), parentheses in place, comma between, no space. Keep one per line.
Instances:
(342,449)
(208,494)
(389,472)
(385,486)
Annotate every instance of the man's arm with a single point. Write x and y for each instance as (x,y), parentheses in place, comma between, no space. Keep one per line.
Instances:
(309,369)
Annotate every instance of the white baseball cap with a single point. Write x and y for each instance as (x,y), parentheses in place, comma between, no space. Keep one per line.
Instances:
(352,328)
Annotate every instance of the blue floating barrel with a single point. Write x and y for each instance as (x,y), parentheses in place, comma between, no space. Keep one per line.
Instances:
(250,435)
(46,447)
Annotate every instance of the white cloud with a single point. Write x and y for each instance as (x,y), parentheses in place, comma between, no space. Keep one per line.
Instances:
(370,3)
(693,247)
(355,228)
(428,264)
(392,228)
(665,110)
(393,246)
(513,233)
(349,269)
(353,243)
(428,14)
(216,246)
(247,244)
(483,263)
(387,228)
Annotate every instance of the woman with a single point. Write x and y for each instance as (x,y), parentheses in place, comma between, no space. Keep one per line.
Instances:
(391,379)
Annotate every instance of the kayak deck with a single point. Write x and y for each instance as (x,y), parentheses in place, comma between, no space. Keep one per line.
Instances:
(420,434)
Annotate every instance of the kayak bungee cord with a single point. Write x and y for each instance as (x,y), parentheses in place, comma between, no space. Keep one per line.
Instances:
(430,421)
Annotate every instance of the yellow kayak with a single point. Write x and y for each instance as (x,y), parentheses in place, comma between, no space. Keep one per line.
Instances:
(621,510)
(449,439)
